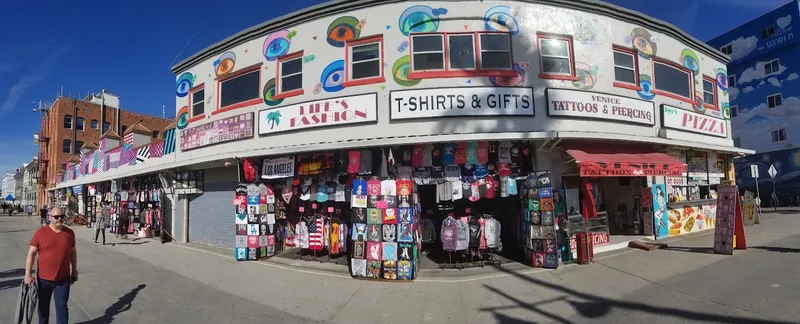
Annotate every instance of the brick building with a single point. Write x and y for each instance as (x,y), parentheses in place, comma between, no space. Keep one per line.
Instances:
(70,123)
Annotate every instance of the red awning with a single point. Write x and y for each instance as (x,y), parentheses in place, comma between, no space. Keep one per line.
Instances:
(606,160)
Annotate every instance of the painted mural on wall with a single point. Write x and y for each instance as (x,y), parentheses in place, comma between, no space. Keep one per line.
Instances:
(420,19)
(787,180)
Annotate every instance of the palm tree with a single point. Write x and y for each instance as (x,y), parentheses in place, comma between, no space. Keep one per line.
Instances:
(274,119)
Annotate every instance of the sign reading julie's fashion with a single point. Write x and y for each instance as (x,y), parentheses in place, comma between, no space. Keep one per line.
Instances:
(592,105)
(228,129)
(689,121)
(319,113)
(466,101)
(278,168)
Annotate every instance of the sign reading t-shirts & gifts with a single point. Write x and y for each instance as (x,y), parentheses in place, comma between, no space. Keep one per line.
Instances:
(228,129)
(319,113)
(278,168)
(466,101)
(592,105)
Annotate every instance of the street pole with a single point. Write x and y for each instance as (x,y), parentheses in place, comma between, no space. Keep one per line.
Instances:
(774,195)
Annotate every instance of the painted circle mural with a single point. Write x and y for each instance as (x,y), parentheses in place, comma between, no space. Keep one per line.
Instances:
(722,79)
(420,19)
(647,87)
(584,30)
(225,63)
(343,29)
(276,45)
(499,18)
(642,41)
(269,93)
(587,76)
(400,71)
(690,61)
(514,81)
(332,77)
(698,102)
(184,84)
(183,118)
(726,110)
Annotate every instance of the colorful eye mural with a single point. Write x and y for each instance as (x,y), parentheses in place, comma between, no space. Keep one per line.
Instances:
(646,83)
(726,110)
(587,76)
(698,102)
(183,118)
(420,19)
(584,30)
(513,81)
(269,93)
(276,45)
(690,61)
(500,18)
(643,42)
(400,71)
(722,80)
(184,84)
(224,64)
(343,29)
(332,77)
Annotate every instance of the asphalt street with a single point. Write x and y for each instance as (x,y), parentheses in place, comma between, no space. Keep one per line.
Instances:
(143,281)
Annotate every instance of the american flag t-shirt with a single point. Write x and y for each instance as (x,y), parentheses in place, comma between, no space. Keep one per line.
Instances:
(315,230)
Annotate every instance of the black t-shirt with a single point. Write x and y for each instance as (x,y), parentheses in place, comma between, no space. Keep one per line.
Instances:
(436,156)
(474,233)
(43,213)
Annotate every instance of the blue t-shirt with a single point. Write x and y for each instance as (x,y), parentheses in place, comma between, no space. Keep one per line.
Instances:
(448,154)
(359,187)
(322,193)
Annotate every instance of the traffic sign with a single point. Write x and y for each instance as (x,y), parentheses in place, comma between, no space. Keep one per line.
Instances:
(754,171)
(772,172)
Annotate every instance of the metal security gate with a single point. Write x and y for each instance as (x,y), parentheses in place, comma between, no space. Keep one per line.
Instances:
(210,213)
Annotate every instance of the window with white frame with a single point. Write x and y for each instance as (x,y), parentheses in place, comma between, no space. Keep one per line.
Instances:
(461,51)
(734,111)
(726,49)
(198,102)
(779,135)
(80,123)
(773,66)
(709,91)
(291,74)
(495,51)
(671,79)
(555,53)
(366,60)
(736,142)
(427,52)
(67,121)
(625,66)
(94,124)
(768,32)
(731,80)
(774,100)
(66,146)
(240,88)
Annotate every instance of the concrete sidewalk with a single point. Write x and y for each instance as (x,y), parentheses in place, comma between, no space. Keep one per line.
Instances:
(206,285)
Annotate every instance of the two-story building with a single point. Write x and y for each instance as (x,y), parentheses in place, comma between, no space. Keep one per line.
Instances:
(616,110)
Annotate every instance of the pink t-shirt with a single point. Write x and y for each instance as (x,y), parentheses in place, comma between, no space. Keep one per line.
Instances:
(417,159)
(354,163)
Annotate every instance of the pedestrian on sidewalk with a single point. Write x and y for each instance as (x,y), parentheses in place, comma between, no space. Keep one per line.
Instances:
(123,223)
(30,210)
(43,216)
(102,221)
(57,267)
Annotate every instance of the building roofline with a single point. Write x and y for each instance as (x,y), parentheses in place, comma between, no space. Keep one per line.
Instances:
(337,7)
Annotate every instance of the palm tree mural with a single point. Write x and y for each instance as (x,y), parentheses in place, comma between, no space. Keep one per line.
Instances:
(274,119)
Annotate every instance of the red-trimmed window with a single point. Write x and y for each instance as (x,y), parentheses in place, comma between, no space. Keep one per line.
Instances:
(197,102)
(290,75)
(709,92)
(626,68)
(364,61)
(240,89)
(672,80)
(556,57)
(447,55)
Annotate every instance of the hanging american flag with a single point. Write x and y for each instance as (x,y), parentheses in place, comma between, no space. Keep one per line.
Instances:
(315,234)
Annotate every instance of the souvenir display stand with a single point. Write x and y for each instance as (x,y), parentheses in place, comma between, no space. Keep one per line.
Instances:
(542,243)
(258,234)
(473,239)
(144,203)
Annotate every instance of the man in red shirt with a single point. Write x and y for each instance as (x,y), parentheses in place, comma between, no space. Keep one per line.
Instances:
(57,268)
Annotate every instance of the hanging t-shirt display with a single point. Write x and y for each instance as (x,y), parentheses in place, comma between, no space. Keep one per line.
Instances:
(472,153)
(483,152)
(255,225)
(504,152)
(448,154)
(427,155)
(538,202)
(354,162)
(461,153)
(365,166)
(416,156)
(436,155)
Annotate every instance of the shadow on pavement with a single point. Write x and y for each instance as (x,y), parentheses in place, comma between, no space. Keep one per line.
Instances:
(10,284)
(592,306)
(123,304)
(12,273)
(776,249)
(129,243)
(703,250)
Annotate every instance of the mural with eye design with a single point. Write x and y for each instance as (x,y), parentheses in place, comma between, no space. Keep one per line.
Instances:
(690,61)
(276,45)
(587,76)
(269,93)
(644,42)
(584,31)
(343,29)
(183,118)
(646,83)
(722,80)
(512,81)
(184,84)
(420,19)
(400,71)
(224,64)
(332,77)
(500,18)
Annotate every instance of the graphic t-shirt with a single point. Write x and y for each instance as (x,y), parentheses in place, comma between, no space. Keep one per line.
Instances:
(339,195)
(359,187)
(527,160)
(354,162)
(390,216)
(322,193)
(512,187)
(373,187)
(491,187)
(436,155)
(452,172)
(341,164)
(404,187)
(359,232)
(388,188)
(449,234)
(472,153)
(448,154)
(416,156)
(374,233)
(427,155)
(492,152)
(389,232)
(462,240)
(374,216)
(504,152)
(516,153)
(366,162)
(358,215)
(481,170)
(483,152)
(461,153)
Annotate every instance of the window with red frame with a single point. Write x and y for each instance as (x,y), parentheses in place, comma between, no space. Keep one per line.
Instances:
(461,54)
(625,67)
(556,56)
(709,92)
(239,89)
(671,79)
(365,59)
(290,74)
(198,102)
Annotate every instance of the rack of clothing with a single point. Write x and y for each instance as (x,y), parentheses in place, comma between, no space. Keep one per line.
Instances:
(472,237)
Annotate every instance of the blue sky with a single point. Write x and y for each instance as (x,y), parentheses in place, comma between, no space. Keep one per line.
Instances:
(128,47)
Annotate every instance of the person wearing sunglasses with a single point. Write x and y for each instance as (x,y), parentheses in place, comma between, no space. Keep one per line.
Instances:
(57,266)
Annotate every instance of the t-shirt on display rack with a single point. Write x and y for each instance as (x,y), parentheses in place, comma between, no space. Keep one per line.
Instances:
(258,234)
(539,221)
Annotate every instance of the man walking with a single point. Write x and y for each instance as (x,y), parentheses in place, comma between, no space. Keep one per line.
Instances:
(30,210)
(102,221)
(43,216)
(57,267)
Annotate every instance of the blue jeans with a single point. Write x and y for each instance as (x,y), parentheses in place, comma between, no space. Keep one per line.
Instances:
(60,291)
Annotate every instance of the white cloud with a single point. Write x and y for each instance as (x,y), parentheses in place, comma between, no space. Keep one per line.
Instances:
(733,92)
(747,89)
(784,21)
(742,47)
(761,83)
(792,76)
(33,77)
(774,81)
(752,125)
(757,73)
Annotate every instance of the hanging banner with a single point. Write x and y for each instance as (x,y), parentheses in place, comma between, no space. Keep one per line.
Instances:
(278,168)
(727,199)
(660,211)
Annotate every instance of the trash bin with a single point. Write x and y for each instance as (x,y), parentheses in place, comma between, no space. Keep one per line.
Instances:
(585,254)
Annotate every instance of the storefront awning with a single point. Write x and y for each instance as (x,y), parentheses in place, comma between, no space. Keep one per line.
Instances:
(620,161)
